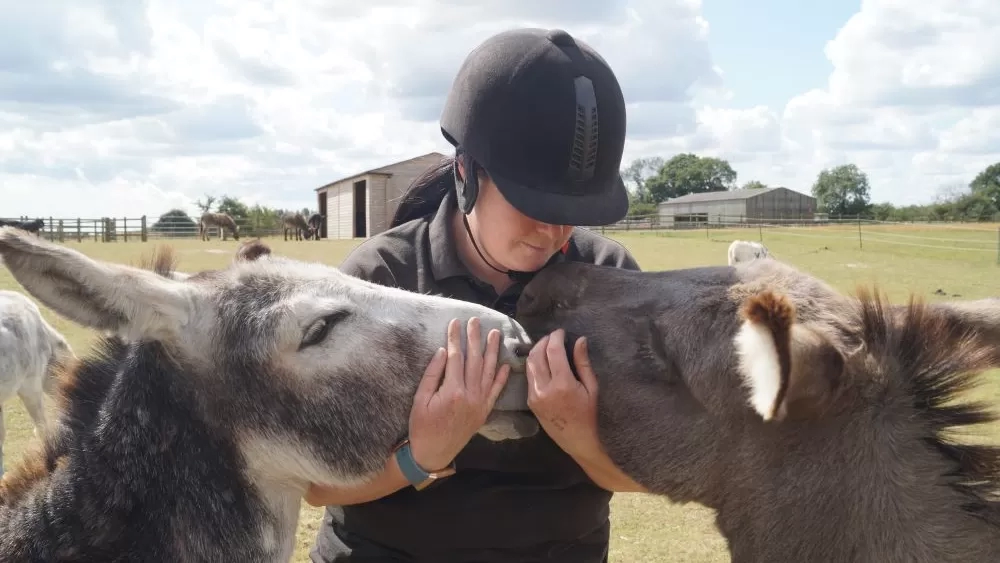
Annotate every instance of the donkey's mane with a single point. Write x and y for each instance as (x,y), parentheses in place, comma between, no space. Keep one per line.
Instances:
(908,345)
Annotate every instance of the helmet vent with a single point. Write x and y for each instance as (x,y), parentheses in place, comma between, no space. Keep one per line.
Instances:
(583,158)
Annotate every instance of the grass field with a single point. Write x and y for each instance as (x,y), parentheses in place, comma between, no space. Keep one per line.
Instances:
(938,262)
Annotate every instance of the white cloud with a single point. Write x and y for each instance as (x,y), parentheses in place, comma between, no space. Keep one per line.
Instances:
(914,90)
(130,108)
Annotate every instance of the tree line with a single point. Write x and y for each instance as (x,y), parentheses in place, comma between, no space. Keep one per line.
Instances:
(839,191)
(250,218)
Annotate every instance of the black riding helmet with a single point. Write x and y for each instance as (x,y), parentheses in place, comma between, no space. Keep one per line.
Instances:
(544,115)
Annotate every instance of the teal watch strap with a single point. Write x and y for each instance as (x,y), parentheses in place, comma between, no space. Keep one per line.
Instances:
(413,472)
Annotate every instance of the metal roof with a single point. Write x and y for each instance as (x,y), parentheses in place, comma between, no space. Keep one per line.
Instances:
(726,195)
(385,170)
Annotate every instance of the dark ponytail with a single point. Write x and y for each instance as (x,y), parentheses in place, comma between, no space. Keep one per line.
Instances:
(426,192)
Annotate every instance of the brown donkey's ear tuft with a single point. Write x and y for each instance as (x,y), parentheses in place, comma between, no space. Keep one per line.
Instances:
(791,370)
(252,250)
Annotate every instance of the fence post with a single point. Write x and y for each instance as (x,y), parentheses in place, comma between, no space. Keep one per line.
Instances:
(998,245)
(143,236)
(861,245)
(61,235)
(79,232)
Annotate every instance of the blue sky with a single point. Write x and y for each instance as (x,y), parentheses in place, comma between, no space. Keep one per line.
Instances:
(789,35)
(133,112)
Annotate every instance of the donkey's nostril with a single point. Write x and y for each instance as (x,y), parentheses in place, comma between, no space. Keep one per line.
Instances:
(522,349)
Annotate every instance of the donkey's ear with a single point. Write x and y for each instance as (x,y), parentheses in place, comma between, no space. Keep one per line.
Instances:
(133,302)
(792,371)
(252,250)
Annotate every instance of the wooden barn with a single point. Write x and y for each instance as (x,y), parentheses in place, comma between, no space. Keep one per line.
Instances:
(362,205)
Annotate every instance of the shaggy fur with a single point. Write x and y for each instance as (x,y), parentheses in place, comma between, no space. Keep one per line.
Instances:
(213,400)
(819,426)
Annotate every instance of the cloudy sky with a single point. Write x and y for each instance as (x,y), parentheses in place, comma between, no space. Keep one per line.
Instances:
(131,107)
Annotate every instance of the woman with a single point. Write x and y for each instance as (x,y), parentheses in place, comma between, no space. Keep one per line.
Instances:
(538,122)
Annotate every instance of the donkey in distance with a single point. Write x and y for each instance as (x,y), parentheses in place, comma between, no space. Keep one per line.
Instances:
(316,223)
(222,221)
(214,399)
(815,424)
(294,223)
(34,226)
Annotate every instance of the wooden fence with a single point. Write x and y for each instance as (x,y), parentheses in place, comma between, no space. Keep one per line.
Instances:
(136,229)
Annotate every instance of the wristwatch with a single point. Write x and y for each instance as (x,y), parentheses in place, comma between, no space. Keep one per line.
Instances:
(415,474)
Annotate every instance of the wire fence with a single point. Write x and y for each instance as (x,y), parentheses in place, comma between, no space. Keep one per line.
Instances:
(976,237)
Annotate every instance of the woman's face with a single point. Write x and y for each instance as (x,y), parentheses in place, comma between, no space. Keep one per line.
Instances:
(509,238)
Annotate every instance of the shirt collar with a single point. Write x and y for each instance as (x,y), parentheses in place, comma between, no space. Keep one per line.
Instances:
(445,262)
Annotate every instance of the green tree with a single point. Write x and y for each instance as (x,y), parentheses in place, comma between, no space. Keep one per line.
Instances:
(235,208)
(882,211)
(987,184)
(207,205)
(263,217)
(175,223)
(688,173)
(755,185)
(843,190)
(638,173)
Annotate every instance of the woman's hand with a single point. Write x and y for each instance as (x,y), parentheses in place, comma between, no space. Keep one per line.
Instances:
(443,420)
(565,407)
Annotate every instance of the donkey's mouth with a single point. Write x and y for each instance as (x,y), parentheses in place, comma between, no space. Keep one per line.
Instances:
(522,349)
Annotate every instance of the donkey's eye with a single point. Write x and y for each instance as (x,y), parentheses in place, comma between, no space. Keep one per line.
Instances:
(318,331)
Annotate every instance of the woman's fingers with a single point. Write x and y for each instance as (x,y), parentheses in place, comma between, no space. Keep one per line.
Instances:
(536,367)
(455,369)
(497,386)
(473,357)
(488,369)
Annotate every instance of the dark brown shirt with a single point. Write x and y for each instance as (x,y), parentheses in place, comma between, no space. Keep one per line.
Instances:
(515,501)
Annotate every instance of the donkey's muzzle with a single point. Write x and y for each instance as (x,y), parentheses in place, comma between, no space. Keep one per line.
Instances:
(522,349)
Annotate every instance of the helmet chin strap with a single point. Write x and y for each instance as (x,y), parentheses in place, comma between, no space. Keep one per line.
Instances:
(515,275)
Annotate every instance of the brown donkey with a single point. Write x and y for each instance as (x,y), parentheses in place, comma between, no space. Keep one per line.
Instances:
(213,400)
(815,424)
(316,224)
(296,224)
(221,221)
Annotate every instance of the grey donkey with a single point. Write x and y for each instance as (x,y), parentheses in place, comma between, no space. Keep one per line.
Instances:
(222,221)
(213,400)
(816,424)
(296,224)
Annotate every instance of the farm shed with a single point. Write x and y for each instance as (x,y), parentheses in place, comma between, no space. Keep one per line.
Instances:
(362,205)
(737,206)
